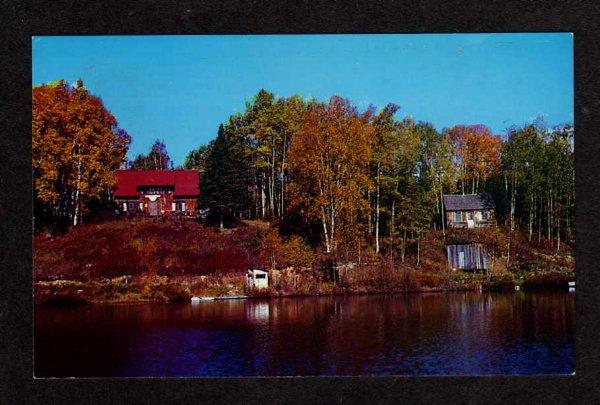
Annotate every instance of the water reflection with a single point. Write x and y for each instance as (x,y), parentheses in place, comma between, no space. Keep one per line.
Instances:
(458,333)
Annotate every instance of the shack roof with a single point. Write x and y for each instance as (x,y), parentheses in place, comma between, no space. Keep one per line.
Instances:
(184,182)
(469,202)
(259,271)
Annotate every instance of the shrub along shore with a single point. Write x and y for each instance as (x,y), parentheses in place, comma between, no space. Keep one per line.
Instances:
(167,260)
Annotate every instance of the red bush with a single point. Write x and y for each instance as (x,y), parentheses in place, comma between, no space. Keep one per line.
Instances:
(150,246)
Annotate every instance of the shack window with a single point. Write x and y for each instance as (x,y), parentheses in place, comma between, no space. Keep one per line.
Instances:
(260,276)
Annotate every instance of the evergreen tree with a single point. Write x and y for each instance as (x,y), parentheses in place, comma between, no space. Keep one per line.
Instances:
(226,182)
(196,159)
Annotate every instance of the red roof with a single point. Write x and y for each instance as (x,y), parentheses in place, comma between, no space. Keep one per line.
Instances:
(185,182)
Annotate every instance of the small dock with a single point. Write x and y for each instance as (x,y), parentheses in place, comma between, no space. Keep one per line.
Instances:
(224,297)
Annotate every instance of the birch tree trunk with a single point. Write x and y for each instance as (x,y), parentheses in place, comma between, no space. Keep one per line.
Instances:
(77,193)
(281,205)
(272,180)
(263,197)
(332,233)
(403,250)
(549,217)
(558,236)
(531,214)
(370,225)
(325,232)
(512,204)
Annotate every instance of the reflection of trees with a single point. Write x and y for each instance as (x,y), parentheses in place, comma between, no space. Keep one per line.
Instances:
(298,335)
(401,334)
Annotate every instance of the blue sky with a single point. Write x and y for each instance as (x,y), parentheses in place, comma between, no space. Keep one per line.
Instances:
(180,88)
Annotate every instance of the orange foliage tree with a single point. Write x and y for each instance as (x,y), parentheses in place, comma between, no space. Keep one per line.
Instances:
(76,146)
(477,154)
(328,162)
(277,252)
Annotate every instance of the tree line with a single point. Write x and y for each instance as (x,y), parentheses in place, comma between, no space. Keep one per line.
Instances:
(345,179)
(351,180)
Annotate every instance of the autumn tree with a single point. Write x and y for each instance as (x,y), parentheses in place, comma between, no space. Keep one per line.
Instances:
(328,161)
(278,252)
(477,154)
(76,146)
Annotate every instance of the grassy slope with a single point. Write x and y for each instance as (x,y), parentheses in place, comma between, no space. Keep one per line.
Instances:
(170,260)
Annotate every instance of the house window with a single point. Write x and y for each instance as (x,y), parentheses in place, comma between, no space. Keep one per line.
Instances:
(485,215)
(469,215)
(155,189)
(458,216)
(179,206)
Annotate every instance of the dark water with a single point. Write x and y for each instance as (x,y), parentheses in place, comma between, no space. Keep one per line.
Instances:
(415,334)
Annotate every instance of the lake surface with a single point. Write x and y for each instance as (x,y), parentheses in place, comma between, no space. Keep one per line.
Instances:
(414,334)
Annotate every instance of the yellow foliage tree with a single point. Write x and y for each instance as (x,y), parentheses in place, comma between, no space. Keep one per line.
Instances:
(76,146)
(328,162)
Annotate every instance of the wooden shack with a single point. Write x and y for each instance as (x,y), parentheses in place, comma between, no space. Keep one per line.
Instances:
(467,257)
(469,211)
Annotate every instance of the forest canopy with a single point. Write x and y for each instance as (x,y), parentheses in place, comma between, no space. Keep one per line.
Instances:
(349,179)
(346,180)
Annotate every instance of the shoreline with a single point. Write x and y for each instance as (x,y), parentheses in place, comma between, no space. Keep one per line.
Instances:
(67,293)
(133,261)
